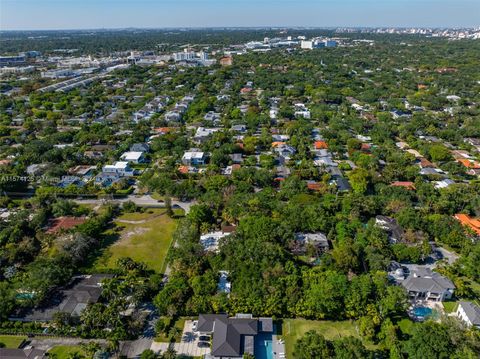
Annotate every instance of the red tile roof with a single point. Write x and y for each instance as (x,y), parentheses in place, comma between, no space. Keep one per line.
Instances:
(470,222)
(319,145)
(407,185)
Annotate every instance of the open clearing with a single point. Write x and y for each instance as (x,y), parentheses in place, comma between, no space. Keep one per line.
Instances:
(294,329)
(12,341)
(145,237)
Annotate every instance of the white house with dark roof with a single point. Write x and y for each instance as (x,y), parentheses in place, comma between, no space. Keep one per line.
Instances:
(424,284)
(469,313)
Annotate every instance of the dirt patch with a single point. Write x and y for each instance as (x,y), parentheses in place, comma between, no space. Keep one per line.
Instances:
(135,232)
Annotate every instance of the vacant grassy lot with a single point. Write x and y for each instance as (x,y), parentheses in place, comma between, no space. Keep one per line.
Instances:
(11,341)
(145,237)
(294,329)
(66,351)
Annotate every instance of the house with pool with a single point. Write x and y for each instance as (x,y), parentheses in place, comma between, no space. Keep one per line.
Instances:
(425,285)
(232,337)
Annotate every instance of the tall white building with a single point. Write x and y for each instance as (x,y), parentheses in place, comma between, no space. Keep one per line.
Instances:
(308,45)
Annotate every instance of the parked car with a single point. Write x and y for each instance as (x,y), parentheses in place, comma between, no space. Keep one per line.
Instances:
(204,338)
(194,325)
(203,344)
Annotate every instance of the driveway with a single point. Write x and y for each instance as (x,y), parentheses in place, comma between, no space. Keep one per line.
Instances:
(188,345)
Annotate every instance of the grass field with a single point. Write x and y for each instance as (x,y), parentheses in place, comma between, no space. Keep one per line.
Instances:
(449,307)
(294,329)
(145,237)
(65,351)
(11,341)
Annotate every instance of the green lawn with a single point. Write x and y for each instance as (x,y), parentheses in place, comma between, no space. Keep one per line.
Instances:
(449,307)
(65,351)
(406,326)
(11,341)
(147,241)
(294,329)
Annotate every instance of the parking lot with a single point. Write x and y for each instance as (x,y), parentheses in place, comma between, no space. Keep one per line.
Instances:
(188,345)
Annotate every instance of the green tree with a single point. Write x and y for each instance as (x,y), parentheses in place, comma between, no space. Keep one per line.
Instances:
(312,345)
(429,340)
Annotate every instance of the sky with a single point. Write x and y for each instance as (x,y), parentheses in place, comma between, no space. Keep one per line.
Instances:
(94,14)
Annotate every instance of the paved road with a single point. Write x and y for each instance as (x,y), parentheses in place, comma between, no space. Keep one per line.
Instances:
(144,200)
(449,256)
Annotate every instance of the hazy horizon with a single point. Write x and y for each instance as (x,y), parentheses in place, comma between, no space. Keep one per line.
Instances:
(157,14)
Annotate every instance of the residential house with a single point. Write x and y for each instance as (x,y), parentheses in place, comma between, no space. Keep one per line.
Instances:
(233,337)
(71,299)
(66,181)
(390,225)
(82,171)
(475,142)
(26,353)
(469,222)
(107,179)
(173,116)
(212,116)
(133,157)
(140,147)
(396,114)
(469,313)
(424,284)
(285,151)
(203,134)
(472,166)
(194,157)
(226,61)
(239,128)
(443,183)
(407,185)
(342,183)
(120,168)
(36,169)
(302,241)
(237,158)
(210,241)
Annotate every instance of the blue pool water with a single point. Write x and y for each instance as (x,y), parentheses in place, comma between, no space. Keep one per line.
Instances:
(422,311)
(263,346)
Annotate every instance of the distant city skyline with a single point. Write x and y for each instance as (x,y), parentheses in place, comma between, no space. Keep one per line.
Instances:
(95,14)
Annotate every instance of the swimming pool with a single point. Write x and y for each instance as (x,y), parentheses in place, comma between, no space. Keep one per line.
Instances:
(263,346)
(422,312)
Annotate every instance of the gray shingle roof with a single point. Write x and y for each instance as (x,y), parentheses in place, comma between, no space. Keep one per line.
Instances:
(232,336)
(422,280)
(472,311)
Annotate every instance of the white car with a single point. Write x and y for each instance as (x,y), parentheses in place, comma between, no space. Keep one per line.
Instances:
(194,325)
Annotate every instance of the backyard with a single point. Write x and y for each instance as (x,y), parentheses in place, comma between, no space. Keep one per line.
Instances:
(11,341)
(66,351)
(294,329)
(145,237)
